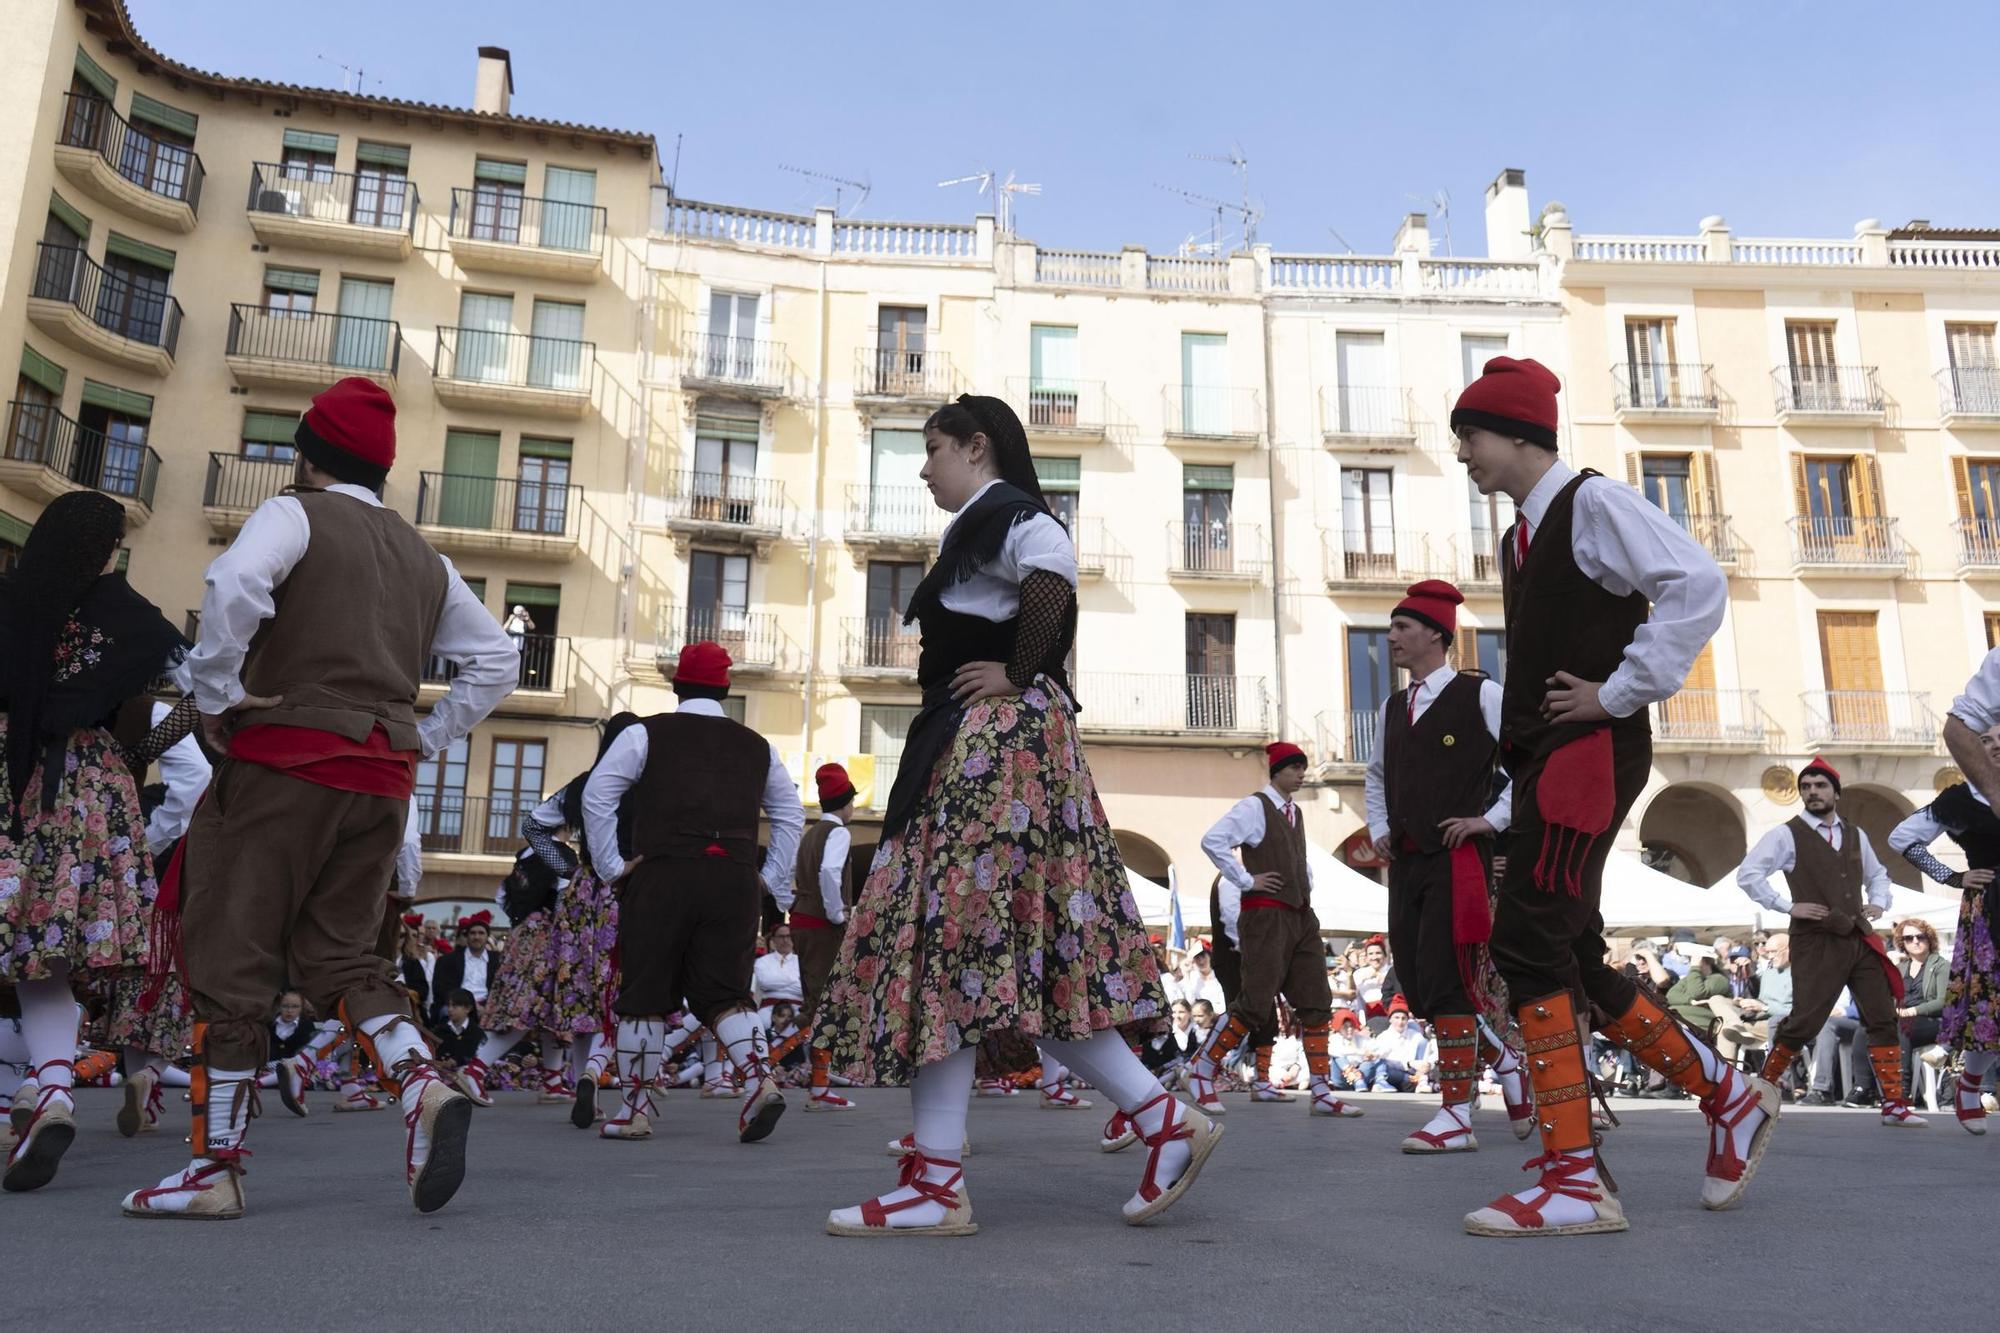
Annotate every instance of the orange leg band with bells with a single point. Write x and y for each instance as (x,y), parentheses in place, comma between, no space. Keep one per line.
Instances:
(1554,1052)
(1263,1055)
(1777,1062)
(1657,1042)
(1888,1065)
(1314,1040)
(822,1066)
(1225,1040)
(1458,1056)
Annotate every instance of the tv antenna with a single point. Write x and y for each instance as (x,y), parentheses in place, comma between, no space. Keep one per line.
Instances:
(1247,214)
(1342,239)
(1440,202)
(840,185)
(1003,193)
(1235,160)
(356,71)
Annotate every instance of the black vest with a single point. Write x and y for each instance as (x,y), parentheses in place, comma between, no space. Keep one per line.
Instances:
(702,788)
(1439,769)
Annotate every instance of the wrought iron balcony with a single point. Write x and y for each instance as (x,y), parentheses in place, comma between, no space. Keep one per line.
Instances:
(1709,719)
(1213,413)
(372,213)
(451,824)
(99,310)
(1881,719)
(50,454)
(1364,732)
(740,367)
(1359,416)
(878,646)
(1663,390)
(894,374)
(723,506)
(513,515)
(128,166)
(1059,409)
(311,349)
(1978,543)
(1831,395)
(521,372)
(1856,545)
(501,231)
(893,516)
(237,485)
(1173,705)
(1376,558)
(1218,551)
(545,669)
(751,637)
(1969,396)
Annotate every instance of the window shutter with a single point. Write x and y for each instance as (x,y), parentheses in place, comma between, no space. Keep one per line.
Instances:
(291,280)
(504,173)
(1634,472)
(93,74)
(312,141)
(40,370)
(127,248)
(1868,487)
(477,587)
(1964,483)
(1059,474)
(532,447)
(124,559)
(69,217)
(166,117)
(533,594)
(1208,477)
(270,427)
(15,531)
(113,399)
(1801,499)
(383,155)
(1707,493)
(709,427)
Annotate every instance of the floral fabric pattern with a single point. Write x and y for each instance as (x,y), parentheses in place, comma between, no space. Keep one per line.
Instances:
(557,966)
(77,889)
(1971,1017)
(78,649)
(1003,906)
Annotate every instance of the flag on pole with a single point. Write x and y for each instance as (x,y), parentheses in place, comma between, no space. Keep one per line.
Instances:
(1178,940)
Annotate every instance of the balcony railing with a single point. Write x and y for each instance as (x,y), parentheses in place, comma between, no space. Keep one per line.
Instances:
(878,643)
(1364,411)
(751,637)
(37,433)
(894,512)
(1864,717)
(449,824)
(496,504)
(750,363)
(1716,717)
(1395,558)
(386,200)
(241,484)
(1169,705)
(303,337)
(169,170)
(545,664)
(1217,549)
(1969,391)
(1478,558)
(108,299)
(1847,541)
(505,218)
(1978,542)
(1827,390)
(1712,531)
(1663,386)
(1200,411)
(1058,406)
(890,372)
(1093,547)
(518,360)
(727,500)
(1364,731)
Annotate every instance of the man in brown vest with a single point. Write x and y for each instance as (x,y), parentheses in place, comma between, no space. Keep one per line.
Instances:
(1608,603)
(317,625)
(1828,864)
(691,898)
(1266,912)
(824,890)
(1433,816)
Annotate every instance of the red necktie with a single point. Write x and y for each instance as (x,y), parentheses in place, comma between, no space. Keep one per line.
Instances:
(1520,541)
(1413,702)
(1826,830)
(1289,816)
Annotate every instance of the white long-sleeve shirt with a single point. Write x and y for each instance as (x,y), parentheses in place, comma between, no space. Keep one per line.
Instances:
(1775,852)
(1243,826)
(1979,706)
(1624,543)
(410,856)
(626,759)
(775,977)
(1376,794)
(994,593)
(184,768)
(832,865)
(241,581)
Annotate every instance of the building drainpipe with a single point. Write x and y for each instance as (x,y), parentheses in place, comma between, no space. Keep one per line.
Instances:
(1277,524)
(819,512)
(635,481)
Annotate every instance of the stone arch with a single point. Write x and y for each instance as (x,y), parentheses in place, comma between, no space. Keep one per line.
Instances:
(1875,811)
(1143,857)
(1694,832)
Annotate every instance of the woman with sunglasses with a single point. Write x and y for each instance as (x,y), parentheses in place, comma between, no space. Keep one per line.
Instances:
(1924,975)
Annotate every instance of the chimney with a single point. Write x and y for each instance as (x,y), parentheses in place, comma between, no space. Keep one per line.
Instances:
(1507,216)
(495,85)
(1413,237)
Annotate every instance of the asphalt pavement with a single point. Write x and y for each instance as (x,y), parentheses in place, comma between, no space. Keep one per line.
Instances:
(1306,1223)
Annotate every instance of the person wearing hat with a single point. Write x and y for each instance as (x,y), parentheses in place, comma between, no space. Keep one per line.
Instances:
(1265,910)
(690,892)
(471,966)
(1434,818)
(318,624)
(1608,603)
(1838,890)
(824,891)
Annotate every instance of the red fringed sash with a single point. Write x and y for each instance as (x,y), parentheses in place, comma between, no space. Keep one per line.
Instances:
(1881,951)
(164,955)
(1471,912)
(1575,796)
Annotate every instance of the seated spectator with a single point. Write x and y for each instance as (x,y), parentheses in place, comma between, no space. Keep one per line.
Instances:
(1340,981)
(1688,997)
(458,1037)
(1201,1015)
(1346,1049)
(1200,983)
(1925,974)
(1288,1054)
(1174,1046)
(1397,1056)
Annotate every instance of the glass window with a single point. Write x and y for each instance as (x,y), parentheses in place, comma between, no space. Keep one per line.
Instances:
(518,773)
(1475,350)
(1370,682)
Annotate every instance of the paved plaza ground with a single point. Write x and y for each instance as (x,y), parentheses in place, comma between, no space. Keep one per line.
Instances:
(1302,1223)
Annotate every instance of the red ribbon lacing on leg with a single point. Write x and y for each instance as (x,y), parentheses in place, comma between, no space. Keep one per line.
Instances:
(198,1179)
(1728,1106)
(1173,1127)
(875,1213)
(1968,1088)
(1560,1175)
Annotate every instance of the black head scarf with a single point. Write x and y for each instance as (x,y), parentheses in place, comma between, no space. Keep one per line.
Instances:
(572,793)
(1010,443)
(79,641)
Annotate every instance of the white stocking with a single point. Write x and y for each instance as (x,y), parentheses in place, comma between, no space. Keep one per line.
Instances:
(744,1036)
(1110,1066)
(395,1039)
(49,1018)
(496,1045)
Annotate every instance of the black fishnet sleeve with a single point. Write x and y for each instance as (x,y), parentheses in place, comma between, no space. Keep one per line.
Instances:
(1047,620)
(172,729)
(552,851)
(1921,858)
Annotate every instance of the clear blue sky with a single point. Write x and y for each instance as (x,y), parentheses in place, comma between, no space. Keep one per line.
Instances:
(1788,117)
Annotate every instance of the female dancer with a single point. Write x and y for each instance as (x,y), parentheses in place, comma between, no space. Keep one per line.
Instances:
(997,900)
(1970,1023)
(78,644)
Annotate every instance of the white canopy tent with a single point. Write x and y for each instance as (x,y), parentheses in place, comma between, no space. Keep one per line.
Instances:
(1639,900)
(1346,901)
(1941,910)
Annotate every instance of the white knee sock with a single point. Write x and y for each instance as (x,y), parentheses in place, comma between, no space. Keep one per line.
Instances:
(135,1058)
(496,1045)
(13,1057)
(395,1039)
(1052,1075)
(712,1068)
(744,1036)
(938,1098)
(1111,1067)
(49,1018)
(173,1076)
(552,1057)
(582,1050)
(681,1034)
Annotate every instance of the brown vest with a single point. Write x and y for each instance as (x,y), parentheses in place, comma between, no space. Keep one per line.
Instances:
(1283,850)
(1559,619)
(351,633)
(1820,874)
(1439,769)
(701,789)
(805,875)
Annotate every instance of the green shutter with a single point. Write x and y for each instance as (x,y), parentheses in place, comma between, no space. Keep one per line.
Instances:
(124,559)
(68,216)
(94,75)
(471,453)
(14,531)
(506,173)
(126,247)
(166,117)
(536,448)
(312,141)
(533,594)
(383,155)
(1208,477)
(291,279)
(1059,474)
(477,587)
(113,399)
(270,427)
(725,428)
(42,371)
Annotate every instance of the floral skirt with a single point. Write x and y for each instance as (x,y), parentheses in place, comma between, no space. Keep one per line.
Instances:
(77,889)
(1971,1017)
(165,1029)
(1003,906)
(557,967)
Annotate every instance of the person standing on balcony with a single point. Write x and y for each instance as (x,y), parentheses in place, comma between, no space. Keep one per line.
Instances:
(518,626)
(691,896)
(1264,909)
(1828,864)
(1580,566)
(998,902)
(824,891)
(317,624)
(1434,819)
